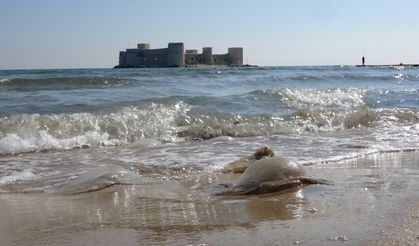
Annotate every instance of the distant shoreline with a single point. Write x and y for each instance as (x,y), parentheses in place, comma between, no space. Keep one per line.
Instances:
(250,65)
(202,66)
(389,65)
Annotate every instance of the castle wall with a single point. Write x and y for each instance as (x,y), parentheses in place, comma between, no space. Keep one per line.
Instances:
(153,58)
(131,57)
(193,59)
(221,59)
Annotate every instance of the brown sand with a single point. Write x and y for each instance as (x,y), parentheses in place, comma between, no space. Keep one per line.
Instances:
(373,201)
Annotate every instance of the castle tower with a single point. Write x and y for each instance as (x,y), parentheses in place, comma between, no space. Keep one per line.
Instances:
(207,55)
(175,55)
(236,56)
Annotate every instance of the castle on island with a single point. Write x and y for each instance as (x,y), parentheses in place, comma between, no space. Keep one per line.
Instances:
(176,56)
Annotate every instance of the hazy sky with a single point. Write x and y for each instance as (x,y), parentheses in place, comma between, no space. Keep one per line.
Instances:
(90,33)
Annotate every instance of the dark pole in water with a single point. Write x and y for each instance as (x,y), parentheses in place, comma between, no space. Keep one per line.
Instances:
(363,61)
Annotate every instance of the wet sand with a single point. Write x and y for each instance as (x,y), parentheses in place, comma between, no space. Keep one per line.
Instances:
(406,228)
(373,201)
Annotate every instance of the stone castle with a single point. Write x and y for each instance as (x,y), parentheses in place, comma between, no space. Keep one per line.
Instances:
(176,56)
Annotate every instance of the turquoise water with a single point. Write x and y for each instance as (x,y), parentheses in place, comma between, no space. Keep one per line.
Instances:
(56,124)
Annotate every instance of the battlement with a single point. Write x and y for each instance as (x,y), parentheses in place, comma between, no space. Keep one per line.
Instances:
(193,52)
(175,55)
(176,44)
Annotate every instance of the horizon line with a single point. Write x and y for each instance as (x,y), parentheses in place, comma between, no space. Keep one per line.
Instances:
(317,65)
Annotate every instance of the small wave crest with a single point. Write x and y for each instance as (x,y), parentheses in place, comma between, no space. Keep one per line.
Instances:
(319,99)
(63,83)
(4,81)
(341,76)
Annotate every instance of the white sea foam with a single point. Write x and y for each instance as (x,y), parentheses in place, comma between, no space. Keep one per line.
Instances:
(321,99)
(27,133)
(13,144)
(3,81)
(26,174)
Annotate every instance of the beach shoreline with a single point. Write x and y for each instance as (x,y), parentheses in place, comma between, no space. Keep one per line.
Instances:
(366,205)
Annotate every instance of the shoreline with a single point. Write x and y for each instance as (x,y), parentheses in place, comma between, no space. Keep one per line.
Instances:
(365,206)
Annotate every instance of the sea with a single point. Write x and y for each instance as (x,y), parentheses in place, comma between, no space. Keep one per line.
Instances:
(58,124)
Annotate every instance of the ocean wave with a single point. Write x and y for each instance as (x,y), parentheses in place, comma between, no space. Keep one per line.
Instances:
(180,121)
(26,133)
(206,126)
(63,83)
(320,99)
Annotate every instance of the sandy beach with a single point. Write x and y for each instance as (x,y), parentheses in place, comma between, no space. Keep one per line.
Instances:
(373,201)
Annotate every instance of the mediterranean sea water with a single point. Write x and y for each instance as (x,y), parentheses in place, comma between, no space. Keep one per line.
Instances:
(57,124)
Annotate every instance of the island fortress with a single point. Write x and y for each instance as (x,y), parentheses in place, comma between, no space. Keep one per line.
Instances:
(176,56)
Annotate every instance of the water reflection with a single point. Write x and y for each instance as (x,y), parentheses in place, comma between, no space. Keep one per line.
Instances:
(125,207)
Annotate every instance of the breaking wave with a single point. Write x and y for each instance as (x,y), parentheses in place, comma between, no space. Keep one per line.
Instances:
(290,111)
(26,133)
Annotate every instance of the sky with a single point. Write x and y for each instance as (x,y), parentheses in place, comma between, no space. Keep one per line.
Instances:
(90,33)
